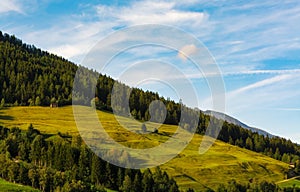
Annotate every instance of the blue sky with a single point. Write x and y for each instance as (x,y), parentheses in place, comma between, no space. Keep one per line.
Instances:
(255,43)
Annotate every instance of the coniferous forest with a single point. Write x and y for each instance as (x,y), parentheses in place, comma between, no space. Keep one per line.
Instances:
(64,163)
(32,77)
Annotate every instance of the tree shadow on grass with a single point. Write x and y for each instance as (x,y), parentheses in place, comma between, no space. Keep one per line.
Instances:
(6,117)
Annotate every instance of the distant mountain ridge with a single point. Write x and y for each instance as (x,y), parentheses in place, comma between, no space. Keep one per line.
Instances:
(235,121)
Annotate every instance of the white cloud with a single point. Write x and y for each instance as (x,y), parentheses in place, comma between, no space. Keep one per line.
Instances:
(149,12)
(243,38)
(69,38)
(73,36)
(186,51)
(10,6)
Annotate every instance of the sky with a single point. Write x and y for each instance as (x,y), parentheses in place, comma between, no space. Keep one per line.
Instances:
(256,45)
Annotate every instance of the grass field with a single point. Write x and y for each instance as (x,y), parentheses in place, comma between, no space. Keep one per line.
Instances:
(293,182)
(11,187)
(221,163)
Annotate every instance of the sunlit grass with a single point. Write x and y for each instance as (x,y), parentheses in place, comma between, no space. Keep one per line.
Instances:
(294,182)
(7,186)
(220,164)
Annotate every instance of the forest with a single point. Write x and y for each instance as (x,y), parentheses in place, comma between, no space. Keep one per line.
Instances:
(65,163)
(32,77)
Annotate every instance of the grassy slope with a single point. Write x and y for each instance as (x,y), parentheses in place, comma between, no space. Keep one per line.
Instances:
(290,182)
(7,186)
(220,164)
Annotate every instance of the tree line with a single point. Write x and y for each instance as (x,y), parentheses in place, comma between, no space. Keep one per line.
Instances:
(276,147)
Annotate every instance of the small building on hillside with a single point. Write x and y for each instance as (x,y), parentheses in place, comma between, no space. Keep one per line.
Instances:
(54,105)
(292,165)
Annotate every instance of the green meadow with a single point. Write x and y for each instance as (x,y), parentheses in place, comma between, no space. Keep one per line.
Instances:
(220,164)
(12,187)
(293,182)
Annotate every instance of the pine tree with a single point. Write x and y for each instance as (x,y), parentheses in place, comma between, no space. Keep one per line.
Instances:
(147,181)
(13,172)
(22,153)
(31,102)
(37,101)
(23,175)
(249,143)
(277,154)
(33,176)
(83,166)
(2,104)
(137,182)
(173,186)
(120,177)
(127,184)
(36,148)
(70,157)
(96,171)
(231,141)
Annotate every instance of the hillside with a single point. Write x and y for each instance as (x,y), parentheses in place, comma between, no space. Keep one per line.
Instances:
(220,164)
(32,77)
(293,182)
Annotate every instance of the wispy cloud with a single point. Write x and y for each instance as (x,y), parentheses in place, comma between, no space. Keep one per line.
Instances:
(237,36)
(266,33)
(196,75)
(287,109)
(279,91)
(73,35)
(70,38)
(268,92)
(259,84)
(257,72)
(10,6)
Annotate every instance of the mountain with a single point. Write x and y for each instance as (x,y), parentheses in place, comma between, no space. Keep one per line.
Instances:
(32,77)
(235,121)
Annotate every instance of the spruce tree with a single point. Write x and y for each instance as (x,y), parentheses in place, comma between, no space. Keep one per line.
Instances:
(96,171)
(2,104)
